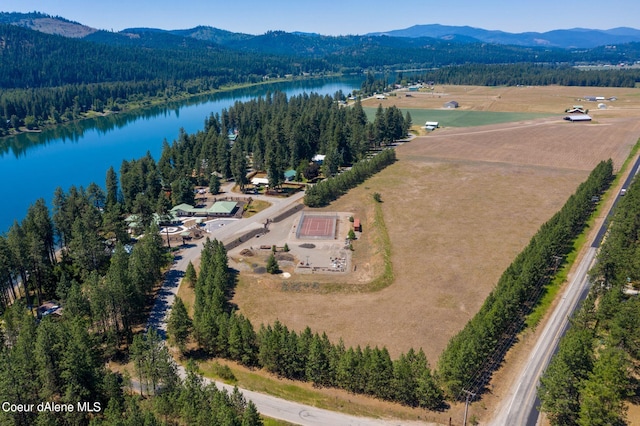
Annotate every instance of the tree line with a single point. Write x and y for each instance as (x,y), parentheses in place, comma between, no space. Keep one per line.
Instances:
(81,254)
(275,133)
(220,331)
(330,189)
(50,79)
(531,75)
(592,377)
(474,353)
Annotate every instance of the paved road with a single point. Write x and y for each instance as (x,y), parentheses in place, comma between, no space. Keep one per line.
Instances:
(520,406)
(267,405)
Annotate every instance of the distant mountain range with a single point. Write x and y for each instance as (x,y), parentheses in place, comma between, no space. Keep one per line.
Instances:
(572,38)
(562,38)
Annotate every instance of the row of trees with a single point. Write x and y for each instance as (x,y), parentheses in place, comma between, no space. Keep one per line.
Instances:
(220,331)
(330,189)
(590,379)
(473,354)
(104,288)
(531,74)
(313,358)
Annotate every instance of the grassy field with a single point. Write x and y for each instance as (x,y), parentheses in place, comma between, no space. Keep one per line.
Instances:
(461,118)
(458,206)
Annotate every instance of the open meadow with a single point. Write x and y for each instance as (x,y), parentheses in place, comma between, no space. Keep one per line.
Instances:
(459,204)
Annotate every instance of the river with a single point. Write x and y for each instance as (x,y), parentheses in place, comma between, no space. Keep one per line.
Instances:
(33,165)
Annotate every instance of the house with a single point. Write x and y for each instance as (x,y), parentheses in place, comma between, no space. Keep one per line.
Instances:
(319,158)
(257,181)
(50,307)
(451,104)
(433,124)
(184,210)
(576,109)
(289,175)
(222,208)
(381,97)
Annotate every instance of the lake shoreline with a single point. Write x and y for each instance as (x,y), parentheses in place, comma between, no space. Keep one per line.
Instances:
(140,105)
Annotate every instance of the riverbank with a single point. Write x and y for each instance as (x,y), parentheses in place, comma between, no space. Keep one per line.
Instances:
(138,105)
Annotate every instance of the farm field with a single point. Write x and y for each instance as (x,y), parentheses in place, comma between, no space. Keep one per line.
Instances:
(459,205)
(460,118)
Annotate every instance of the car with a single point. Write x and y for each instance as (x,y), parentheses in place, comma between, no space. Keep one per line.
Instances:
(623,191)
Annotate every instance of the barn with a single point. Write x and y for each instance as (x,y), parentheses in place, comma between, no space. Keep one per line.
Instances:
(574,118)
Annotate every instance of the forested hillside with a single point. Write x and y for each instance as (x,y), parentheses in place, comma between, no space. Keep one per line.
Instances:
(49,79)
(53,79)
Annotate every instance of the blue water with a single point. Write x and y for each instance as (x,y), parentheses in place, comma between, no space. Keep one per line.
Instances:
(33,165)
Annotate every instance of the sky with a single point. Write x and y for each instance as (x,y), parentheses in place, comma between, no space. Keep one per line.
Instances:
(338,17)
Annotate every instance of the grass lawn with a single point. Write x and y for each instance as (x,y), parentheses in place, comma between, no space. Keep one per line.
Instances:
(462,118)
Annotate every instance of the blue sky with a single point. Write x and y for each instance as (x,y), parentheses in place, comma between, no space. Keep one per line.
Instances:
(335,17)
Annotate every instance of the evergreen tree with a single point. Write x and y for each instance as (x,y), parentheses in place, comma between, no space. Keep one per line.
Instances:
(190,276)
(179,325)
(272,264)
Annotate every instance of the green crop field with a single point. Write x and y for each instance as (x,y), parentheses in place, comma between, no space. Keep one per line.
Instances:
(460,118)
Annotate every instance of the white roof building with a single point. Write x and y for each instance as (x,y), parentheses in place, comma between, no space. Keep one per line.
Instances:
(260,181)
(582,117)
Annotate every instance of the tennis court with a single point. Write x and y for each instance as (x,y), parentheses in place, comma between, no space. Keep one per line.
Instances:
(318,227)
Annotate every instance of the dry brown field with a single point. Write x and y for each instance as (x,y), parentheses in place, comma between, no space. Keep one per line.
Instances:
(459,205)
(538,99)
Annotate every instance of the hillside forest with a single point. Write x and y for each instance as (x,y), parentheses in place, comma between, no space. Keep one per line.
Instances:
(49,79)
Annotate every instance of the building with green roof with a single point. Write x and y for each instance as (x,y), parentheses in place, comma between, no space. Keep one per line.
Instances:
(219,208)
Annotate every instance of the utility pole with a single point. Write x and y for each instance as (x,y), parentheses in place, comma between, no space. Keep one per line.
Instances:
(466,405)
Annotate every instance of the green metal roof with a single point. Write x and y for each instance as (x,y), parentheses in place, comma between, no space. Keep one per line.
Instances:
(223,207)
(184,208)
